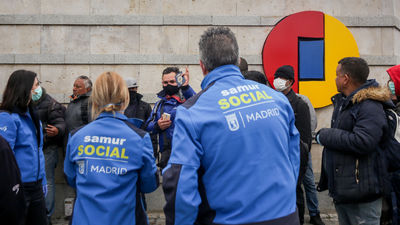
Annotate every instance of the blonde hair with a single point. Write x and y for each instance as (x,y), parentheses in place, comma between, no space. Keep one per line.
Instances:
(110,94)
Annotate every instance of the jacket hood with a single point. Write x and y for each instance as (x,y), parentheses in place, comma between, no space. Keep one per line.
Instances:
(394,73)
(377,93)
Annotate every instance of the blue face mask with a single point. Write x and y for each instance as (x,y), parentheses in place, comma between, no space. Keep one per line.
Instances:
(37,93)
(391,87)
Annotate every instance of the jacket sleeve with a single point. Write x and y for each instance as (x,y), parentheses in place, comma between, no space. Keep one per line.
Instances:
(151,124)
(304,124)
(294,144)
(365,136)
(8,129)
(149,179)
(180,177)
(57,118)
(69,166)
(188,92)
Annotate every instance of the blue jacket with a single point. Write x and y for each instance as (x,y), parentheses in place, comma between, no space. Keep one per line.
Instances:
(109,162)
(23,131)
(235,155)
(167,106)
(352,169)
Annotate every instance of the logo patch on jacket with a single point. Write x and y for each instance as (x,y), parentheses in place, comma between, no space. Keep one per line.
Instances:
(4,129)
(232,121)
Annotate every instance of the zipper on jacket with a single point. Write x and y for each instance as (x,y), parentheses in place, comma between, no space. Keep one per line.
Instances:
(357,172)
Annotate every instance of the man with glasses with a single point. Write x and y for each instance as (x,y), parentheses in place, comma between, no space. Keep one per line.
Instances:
(161,120)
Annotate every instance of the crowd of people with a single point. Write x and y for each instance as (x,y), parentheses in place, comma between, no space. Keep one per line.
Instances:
(237,152)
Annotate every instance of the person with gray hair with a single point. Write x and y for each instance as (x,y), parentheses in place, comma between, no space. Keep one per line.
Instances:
(235,149)
(78,110)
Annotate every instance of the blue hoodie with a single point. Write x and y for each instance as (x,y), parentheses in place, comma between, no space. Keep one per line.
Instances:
(109,162)
(25,138)
(235,155)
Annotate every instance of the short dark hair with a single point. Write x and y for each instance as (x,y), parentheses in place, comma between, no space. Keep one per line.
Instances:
(170,69)
(218,47)
(256,76)
(86,81)
(356,67)
(243,66)
(18,90)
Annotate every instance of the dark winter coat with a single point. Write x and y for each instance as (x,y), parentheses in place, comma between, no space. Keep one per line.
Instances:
(352,167)
(138,108)
(50,112)
(12,202)
(303,125)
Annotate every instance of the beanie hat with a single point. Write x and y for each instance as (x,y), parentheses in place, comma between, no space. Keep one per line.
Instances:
(285,71)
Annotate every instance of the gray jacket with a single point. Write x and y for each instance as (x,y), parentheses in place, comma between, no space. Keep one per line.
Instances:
(78,112)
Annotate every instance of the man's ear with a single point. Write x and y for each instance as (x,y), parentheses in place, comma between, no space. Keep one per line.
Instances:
(203,68)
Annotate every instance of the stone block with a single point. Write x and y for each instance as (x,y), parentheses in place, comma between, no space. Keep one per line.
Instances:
(7,59)
(396,43)
(19,39)
(114,40)
(101,59)
(388,41)
(204,7)
(115,7)
(181,59)
(236,20)
(151,7)
(150,78)
(5,71)
(20,7)
(52,39)
(260,8)
(380,60)
(251,39)
(368,40)
(188,20)
(379,73)
(270,20)
(61,7)
(77,59)
(195,33)
(164,40)
(59,79)
(77,40)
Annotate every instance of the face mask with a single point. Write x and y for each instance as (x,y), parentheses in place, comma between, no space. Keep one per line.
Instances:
(392,88)
(280,84)
(170,90)
(37,93)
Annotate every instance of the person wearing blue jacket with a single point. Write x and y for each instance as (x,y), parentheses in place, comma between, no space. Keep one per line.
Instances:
(171,97)
(235,151)
(21,128)
(110,161)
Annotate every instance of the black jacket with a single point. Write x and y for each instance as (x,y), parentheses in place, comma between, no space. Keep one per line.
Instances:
(138,108)
(50,112)
(12,202)
(303,125)
(352,166)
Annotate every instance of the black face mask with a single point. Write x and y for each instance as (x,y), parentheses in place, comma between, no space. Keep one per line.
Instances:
(170,90)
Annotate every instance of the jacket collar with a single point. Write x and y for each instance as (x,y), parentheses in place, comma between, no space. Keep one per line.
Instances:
(112,115)
(86,95)
(219,73)
(369,90)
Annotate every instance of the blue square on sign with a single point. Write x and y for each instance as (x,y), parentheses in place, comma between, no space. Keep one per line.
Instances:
(311,59)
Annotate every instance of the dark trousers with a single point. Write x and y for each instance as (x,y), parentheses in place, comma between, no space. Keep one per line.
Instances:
(299,191)
(35,204)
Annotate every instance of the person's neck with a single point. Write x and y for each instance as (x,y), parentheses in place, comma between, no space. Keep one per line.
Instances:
(350,89)
(285,92)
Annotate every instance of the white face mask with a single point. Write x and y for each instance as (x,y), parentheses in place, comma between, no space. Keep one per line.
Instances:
(280,84)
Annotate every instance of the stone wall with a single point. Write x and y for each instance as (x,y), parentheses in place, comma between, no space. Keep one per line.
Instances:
(62,39)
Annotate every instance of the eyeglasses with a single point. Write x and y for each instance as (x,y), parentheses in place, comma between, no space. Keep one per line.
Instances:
(169,82)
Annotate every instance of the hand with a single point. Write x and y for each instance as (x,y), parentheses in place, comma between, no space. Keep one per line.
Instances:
(44,190)
(51,131)
(186,75)
(164,124)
